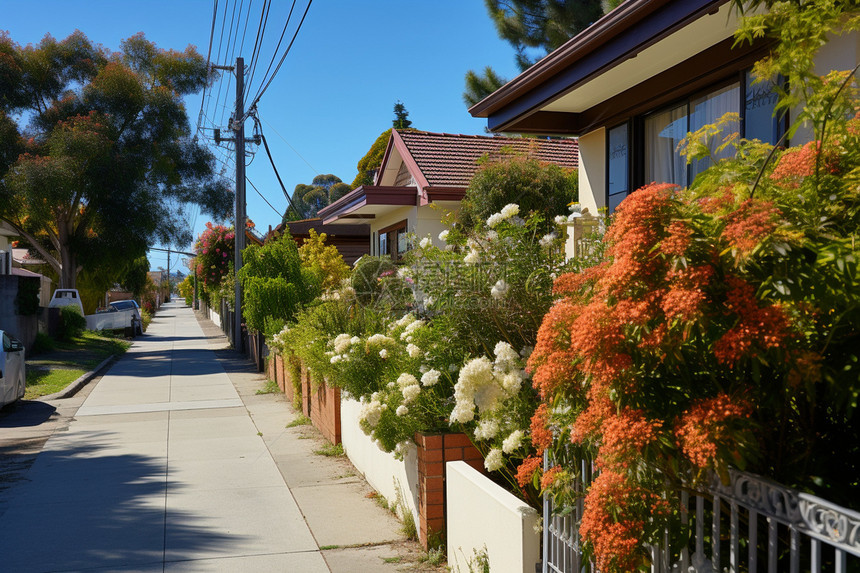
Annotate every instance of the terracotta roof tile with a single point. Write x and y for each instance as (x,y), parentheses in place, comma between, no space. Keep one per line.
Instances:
(450,160)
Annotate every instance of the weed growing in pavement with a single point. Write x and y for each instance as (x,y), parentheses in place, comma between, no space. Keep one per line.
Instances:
(330,450)
(271,387)
(301,420)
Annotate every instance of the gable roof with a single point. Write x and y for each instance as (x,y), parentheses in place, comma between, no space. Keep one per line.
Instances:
(450,160)
(441,165)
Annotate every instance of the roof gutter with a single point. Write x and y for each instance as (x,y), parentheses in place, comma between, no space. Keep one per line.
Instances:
(592,39)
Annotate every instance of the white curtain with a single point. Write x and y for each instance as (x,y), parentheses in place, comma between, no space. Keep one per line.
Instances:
(663,131)
(709,109)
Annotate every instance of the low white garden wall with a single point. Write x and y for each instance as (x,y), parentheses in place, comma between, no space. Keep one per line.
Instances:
(484,516)
(383,471)
(214,317)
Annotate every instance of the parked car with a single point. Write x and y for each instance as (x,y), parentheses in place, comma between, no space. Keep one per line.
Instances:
(131,310)
(66,297)
(12,370)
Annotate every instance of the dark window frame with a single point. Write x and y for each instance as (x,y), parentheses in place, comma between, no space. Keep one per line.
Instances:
(636,129)
(392,235)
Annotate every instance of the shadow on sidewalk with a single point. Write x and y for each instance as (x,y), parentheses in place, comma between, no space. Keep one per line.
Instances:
(82,509)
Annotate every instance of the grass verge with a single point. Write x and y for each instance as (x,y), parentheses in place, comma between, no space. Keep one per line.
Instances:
(55,368)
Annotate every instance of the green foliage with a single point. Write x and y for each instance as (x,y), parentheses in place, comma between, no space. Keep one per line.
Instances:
(538,187)
(540,26)
(186,289)
(72,322)
(42,344)
(401,116)
(371,161)
(533,28)
(479,86)
(27,299)
(370,285)
(134,277)
(274,284)
(145,318)
(110,151)
(308,199)
(324,260)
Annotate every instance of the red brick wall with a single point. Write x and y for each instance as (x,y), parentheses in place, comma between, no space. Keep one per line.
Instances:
(306,391)
(325,411)
(434,451)
(278,367)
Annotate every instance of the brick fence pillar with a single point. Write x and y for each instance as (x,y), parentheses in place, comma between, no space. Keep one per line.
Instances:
(434,451)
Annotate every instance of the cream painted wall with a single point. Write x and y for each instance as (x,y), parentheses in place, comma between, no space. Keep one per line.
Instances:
(592,170)
(382,471)
(482,514)
(840,53)
(395,216)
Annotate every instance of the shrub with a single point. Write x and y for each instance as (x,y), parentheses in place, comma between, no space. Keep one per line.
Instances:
(42,344)
(721,329)
(324,260)
(535,186)
(275,284)
(72,322)
(145,318)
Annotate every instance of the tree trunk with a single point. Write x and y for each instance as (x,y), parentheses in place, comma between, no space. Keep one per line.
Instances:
(68,268)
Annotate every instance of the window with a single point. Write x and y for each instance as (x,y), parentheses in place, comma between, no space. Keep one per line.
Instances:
(646,149)
(393,240)
(619,165)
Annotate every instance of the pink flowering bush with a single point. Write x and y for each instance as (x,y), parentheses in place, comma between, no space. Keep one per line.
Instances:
(214,248)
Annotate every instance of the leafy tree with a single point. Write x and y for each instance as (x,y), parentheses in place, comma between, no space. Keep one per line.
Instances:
(533,28)
(401,116)
(309,199)
(533,185)
(371,161)
(108,158)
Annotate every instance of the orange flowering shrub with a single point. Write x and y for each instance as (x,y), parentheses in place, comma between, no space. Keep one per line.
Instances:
(720,330)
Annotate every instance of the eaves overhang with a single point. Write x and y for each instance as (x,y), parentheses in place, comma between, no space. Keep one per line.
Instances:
(362,204)
(611,41)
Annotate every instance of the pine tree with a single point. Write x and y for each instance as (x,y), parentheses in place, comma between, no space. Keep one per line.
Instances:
(401,116)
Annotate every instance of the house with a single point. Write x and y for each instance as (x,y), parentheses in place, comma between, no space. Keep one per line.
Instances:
(352,241)
(635,82)
(421,170)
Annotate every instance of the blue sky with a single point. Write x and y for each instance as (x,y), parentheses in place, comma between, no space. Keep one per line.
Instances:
(336,89)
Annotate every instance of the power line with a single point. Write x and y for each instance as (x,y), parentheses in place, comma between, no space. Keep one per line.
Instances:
(291,147)
(278,175)
(258,42)
(284,57)
(208,59)
(278,46)
(262,197)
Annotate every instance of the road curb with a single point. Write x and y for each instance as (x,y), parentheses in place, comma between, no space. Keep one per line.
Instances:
(73,388)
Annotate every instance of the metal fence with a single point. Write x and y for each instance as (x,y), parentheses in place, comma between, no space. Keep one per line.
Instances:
(750,525)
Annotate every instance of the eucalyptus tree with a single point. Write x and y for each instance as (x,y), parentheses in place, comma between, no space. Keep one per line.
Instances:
(97,158)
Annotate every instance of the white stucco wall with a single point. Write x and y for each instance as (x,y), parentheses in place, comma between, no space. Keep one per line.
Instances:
(482,514)
(382,471)
(592,170)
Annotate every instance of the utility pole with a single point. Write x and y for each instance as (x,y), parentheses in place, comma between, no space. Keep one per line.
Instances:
(168,274)
(237,125)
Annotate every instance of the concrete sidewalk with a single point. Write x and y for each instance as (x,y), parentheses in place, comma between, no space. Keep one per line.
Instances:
(173,462)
